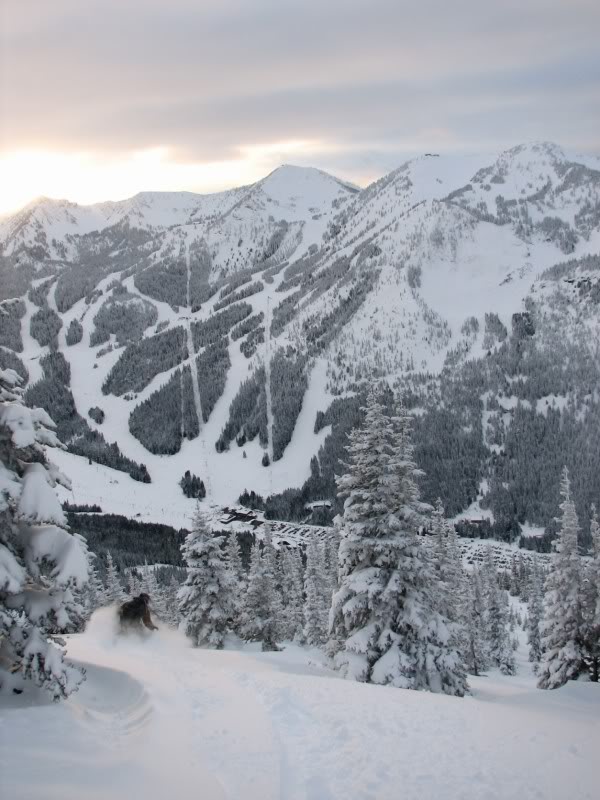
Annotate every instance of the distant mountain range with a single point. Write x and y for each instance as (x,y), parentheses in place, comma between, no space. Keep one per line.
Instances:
(232,334)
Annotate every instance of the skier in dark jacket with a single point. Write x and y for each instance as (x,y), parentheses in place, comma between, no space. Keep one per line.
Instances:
(135,613)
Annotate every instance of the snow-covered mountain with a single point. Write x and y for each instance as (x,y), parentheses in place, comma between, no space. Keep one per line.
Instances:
(216,333)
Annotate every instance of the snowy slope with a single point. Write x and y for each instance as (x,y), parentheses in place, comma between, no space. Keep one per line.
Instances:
(156,719)
(385,282)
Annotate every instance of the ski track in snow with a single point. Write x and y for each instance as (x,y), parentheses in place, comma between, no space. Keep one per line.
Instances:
(191,351)
(269,396)
(158,719)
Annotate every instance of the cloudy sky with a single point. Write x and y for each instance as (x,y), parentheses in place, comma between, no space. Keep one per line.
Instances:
(103,98)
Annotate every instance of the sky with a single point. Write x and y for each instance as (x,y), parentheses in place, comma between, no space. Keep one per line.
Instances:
(100,99)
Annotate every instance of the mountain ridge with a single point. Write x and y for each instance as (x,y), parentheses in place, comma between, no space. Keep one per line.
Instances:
(245,322)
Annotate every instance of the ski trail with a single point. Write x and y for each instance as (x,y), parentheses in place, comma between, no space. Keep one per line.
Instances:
(190,339)
(268,380)
(194,371)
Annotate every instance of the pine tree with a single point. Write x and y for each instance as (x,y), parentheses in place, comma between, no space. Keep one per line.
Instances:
(591,602)
(535,609)
(42,564)
(259,619)
(499,642)
(92,595)
(292,590)
(562,658)
(451,593)
(385,627)
(155,592)
(113,591)
(238,577)
(205,597)
(476,652)
(318,599)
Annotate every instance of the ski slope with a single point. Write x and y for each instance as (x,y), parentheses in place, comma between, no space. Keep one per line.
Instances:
(157,719)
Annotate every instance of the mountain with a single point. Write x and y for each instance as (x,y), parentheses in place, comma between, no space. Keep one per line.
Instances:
(219,333)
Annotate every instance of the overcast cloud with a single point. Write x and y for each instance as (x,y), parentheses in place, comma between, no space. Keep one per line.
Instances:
(367,84)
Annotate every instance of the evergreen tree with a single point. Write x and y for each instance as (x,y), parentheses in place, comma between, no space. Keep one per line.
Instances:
(205,597)
(318,598)
(385,627)
(451,593)
(535,610)
(591,602)
(259,620)
(42,564)
(292,590)
(238,577)
(92,596)
(113,590)
(332,554)
(476,652)
(562,658)
(499,641)
(155,591)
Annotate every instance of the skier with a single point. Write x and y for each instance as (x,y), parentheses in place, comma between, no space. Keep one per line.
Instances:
(135,613)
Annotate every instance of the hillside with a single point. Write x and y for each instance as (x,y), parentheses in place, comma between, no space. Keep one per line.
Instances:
(160,715)
(215,333)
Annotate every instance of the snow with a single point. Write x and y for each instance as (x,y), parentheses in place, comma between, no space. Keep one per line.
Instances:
(157,719)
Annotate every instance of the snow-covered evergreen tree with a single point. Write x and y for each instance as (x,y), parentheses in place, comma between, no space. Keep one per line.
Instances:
(173,616)
(451,593)
(384,623)
(238,576)
(562,657)
(499,642)
(42,564)
(205,597)
(155,592)
(113,589)
(292,593)
(476,652)
(260,619)
(591,602)
(317,595)
(332,556)
(92,595)
(535,610)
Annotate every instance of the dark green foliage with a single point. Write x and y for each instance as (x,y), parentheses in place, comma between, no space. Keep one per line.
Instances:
(74,332)
(9,360)
(165,281)
(126,316)
(39,294)
(247,413)
(130,542)
(241,294)
(215,327)
(288,386)
(52,393)
(250,344)
(156,422)
(192,486)
(96,414)
(247,325)
(265,460)
(45,326)
(251,500)
(81,507)
(200,268)
(144,360)
(191,423)
(212,365)
(11,312)
(284,312)
(556,230)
